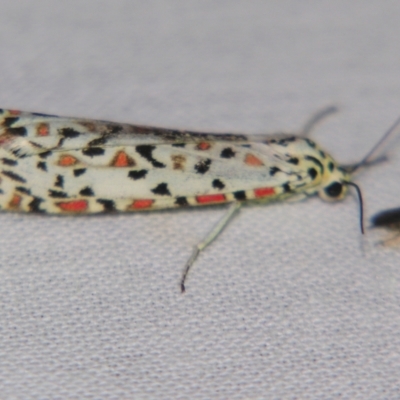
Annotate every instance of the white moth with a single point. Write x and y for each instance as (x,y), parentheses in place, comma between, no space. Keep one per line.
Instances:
(53,164)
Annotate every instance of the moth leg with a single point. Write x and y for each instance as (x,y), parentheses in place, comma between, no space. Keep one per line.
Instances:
(316,118)
(297,197)
(234,207)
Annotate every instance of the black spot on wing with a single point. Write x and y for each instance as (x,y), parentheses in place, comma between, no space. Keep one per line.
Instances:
(23,190)
(286,188)
(316,162)
(34,205)
(218,184)
(69,133)
(240,195)
(87,191)
(162,189)
(8,161)
(293,160)
(57,194)
(13,176)
(135,175)
(42,165)
(146,151)
(93,151)
(274,170)
(97,142)
(59,181)
(20,131)
(79,171)
(17,153)
(108,205)
(34,144)
(9,121)
(181,201)
(45,154)
(203,166)
(179,144)
(331,166)
(227,153)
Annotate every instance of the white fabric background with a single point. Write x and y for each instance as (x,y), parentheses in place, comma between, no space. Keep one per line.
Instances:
(290,301)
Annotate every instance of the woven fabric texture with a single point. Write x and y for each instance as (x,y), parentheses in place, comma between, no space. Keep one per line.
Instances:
(290,301)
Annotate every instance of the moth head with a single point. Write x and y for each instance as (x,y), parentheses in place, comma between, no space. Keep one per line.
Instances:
(335,184)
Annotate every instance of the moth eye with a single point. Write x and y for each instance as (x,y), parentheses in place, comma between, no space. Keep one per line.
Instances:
(334,189)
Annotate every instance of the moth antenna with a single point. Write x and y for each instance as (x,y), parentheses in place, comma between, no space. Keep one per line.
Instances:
(316,118)
(368,159)
(360,201)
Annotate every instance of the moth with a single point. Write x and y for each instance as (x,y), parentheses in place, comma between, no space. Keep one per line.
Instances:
(389,220)
(58,165)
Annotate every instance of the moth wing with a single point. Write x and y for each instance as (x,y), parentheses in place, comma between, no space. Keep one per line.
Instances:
(99,161)
(165,171)
(225,168)
(25,134)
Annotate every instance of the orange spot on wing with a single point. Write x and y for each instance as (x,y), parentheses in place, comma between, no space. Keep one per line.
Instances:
(263,192)
(15,201)
(121,159)
(203,146)
(42,130)
(252,160)
(210,198)
(73,206)
(14,112)
(142,203)
(66,160)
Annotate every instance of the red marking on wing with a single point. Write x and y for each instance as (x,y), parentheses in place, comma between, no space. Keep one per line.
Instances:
(73,206)
(252,160)
(42,130)
(4,139)
(15,201)
(67,160)
(203,146)
(263,192)
(210,198)
(142,203)
(122,159)
(14,112)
